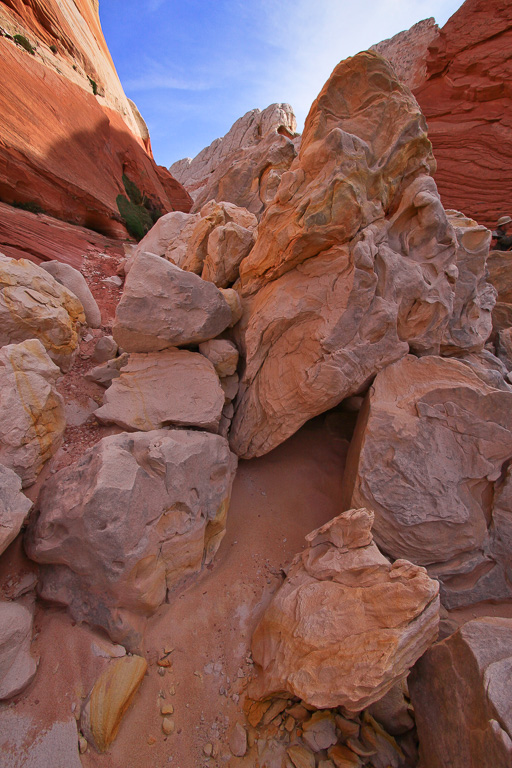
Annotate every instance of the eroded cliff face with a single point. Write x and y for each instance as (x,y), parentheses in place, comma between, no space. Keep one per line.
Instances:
(68,131)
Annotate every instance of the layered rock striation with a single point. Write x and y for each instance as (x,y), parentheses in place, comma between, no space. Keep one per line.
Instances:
(68,133)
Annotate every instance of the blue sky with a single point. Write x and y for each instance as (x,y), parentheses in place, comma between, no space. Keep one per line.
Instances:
(194,66)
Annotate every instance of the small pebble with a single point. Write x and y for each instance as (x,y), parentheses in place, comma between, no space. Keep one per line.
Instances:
(166,709)
(151,740)
(168,726)
(208,749)
(161,671)
(82,745)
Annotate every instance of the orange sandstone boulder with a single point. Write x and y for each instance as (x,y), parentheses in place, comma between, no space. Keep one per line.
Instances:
(347,624)
(356,262)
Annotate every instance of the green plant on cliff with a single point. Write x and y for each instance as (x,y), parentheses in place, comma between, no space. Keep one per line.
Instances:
(138,212)
(21,40)
(94,85)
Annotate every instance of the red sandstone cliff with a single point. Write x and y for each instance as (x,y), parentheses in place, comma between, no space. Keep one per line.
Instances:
(467,100)
(62,146)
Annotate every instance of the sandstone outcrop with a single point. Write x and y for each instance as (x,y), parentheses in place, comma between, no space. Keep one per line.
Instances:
(245,166)
(14,507)
(17,666)
(498,264)
(163,306)
(32,419)
(33,305)
(110,698)
(68,133)
(355,262)
(346,625)
(75,282)
(160,389)
(467,102)
(136,515)
(408,51)
(429,454)
(461,694)
(222,354)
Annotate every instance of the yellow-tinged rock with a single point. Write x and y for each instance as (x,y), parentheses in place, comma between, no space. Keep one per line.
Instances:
(111,696)
(33,305)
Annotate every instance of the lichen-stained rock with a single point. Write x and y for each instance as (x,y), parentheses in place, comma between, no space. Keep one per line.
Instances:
(429,453)
(245,166)
(173,387)
(346,624)
(134,517)
(17,666)
(460,690)
(163,306)
(14,507)
(32,419)
(33,305)
(112,694)
(354,263)
(75,282)
(471,322)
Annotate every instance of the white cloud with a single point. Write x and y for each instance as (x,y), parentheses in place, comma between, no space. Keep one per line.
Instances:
(155,75)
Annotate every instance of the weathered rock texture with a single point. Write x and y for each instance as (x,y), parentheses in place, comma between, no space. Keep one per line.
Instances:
(461,694)
(61,146)
(347,624)
(355,263)
(163,306)
(14,507)
(17,666)
(467,101)
(245,166)
(429,457)
(136,515)
(408,50)
(500,275)
(32,419)
(174,387)
(33,305)
(110,698)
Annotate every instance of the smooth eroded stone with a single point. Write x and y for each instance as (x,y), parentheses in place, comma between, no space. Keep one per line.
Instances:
(460,690)
(14,507)
(168,237)
(75,282)
(33,305)
(228,245)
(110,698)
(17,666)
(174,387)
(428,456)
(346,624)
(134,517)
(163,306)
(32,419)
(355,263)
(106,349)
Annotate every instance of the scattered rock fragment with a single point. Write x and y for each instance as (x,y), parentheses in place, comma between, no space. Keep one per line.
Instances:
(110,698)
(223,354)
(301,756)
(106,349)
(238,740)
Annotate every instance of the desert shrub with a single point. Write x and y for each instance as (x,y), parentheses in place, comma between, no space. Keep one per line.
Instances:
(132,190)
(137,218)
(21,40)
(30,206)
(94,85)
(53,48)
